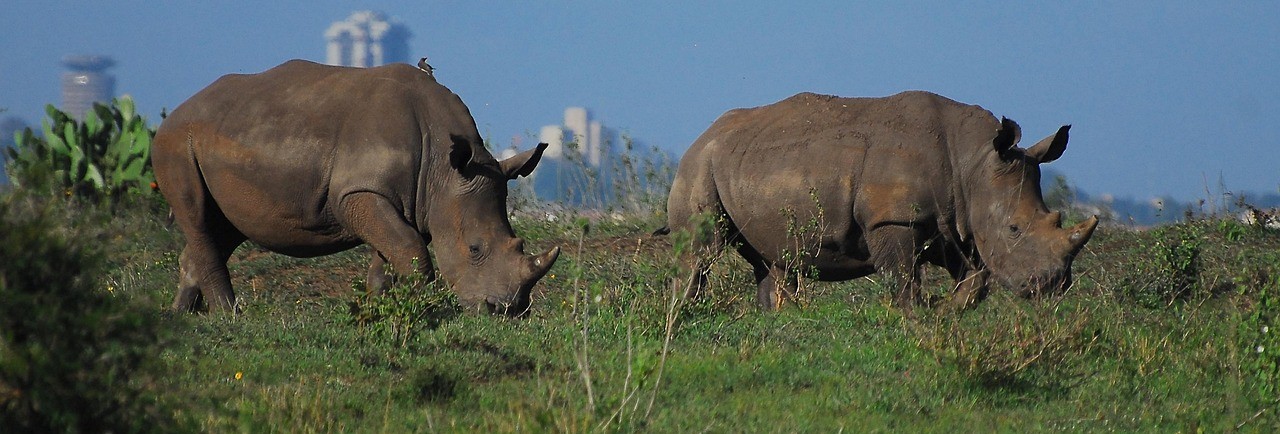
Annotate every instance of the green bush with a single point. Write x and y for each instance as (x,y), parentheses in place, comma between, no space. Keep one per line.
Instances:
(1172,272)
(71,352)
(1262,343)
(1016,346)
(103,157)
(407,306)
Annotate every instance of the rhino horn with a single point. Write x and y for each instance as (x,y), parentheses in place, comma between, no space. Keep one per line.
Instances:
(540,264)
(1055,217)
(522,164)
(1080,233)
(1050,148)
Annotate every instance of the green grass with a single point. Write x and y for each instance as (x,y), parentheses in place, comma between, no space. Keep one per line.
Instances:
(604,351)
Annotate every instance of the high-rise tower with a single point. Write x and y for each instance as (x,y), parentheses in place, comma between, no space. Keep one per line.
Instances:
(86,82)
(367,38)
(590,136)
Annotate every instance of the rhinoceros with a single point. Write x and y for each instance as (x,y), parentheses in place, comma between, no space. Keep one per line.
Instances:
(307,160)
(847,187)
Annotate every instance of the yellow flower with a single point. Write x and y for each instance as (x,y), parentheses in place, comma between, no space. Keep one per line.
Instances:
(239,375)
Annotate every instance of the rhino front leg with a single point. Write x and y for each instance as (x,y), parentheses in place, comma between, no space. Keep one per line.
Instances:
(372,218)
(894,252)
(970,290)
(376,279)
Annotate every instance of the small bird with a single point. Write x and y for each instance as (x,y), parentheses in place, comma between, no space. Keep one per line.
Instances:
(422,64)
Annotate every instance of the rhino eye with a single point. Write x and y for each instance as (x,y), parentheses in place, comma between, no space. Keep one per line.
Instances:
(474,250)
(1014,231)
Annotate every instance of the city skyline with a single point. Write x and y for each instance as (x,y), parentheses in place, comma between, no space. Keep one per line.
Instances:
(1164,100)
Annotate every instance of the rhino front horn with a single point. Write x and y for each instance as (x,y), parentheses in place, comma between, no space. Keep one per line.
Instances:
(543,262)
(1081,232)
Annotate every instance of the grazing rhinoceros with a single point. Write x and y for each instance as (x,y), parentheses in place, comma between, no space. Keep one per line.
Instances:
(308,160)
(847,187)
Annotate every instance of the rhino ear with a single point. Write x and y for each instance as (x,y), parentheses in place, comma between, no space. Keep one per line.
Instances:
(1051,147)
(522,164)
(460,153)
(1007,137)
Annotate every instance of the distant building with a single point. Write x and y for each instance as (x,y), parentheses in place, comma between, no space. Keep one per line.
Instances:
(367,38)
(86,82)
(576,167)
(591,139)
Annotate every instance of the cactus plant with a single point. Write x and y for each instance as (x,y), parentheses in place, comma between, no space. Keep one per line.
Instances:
(105,156)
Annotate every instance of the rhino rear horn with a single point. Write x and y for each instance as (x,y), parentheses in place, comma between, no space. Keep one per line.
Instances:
(522,164)
(1050,148)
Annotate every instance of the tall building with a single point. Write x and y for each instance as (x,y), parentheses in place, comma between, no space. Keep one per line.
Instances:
(367,38)
(86,82)
(590,136)
(575,167)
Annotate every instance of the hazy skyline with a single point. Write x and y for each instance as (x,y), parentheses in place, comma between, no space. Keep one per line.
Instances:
(1164,97)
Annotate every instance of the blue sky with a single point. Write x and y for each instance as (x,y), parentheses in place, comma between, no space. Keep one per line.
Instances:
(1165,98)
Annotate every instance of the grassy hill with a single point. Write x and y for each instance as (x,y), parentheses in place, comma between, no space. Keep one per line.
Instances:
(1163,331)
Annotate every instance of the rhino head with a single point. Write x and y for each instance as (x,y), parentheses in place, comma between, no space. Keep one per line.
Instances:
(476,249)
(1018,238)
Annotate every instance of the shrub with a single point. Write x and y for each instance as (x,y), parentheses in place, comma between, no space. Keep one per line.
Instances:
(1172,272)
(403,309)
(71,353)
(1261,341)
(103,157)
(1011,346)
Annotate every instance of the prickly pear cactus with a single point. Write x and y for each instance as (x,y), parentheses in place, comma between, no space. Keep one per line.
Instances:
(105,156)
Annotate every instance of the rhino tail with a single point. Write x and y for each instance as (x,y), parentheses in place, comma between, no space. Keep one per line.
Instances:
(662,231)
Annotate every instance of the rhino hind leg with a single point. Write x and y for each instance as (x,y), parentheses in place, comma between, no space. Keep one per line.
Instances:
(775,287)
(203,280)
(710,233)
(895,253)
(372,218)
(774,284)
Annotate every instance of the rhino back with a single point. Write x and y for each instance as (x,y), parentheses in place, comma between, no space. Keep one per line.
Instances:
(861,162)
(278,149)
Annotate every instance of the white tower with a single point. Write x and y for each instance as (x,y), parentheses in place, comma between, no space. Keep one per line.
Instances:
(553,136)
(86,82)
(595,144)
(575,120)
(365,39)
(591,137)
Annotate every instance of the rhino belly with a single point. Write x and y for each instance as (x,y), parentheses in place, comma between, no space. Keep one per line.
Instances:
(787,233)
(833,259)
(792,225)
(280,205)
